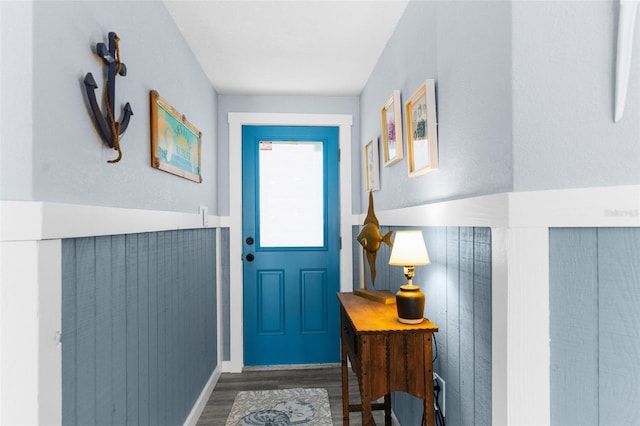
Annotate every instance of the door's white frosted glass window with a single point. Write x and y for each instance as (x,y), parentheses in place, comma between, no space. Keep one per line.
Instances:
(291,189)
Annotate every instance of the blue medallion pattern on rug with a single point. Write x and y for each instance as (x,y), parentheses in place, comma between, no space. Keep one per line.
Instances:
(281,407)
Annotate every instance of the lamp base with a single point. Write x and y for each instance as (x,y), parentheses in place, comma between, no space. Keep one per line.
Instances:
(410,321)
(410,304)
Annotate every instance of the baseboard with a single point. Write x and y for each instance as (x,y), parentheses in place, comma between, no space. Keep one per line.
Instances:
(201,402)
(290,367)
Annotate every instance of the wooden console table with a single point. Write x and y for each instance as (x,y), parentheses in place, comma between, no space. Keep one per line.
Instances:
(386,356)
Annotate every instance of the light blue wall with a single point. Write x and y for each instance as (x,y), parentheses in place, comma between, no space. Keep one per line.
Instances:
(525,96)
(466,48)
(138,326)
(283,104)
(64,160)
(564,55)
(594,291)
(16,103)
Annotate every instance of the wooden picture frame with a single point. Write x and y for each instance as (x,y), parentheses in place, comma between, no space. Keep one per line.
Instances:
(175,143)
(372,165)
(422,130)
(391,115)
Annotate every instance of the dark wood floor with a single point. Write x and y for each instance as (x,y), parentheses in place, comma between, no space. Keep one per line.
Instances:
(219,405)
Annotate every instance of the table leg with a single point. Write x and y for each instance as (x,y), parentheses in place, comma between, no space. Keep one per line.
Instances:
(345,383)
(365,382)
(367,414)
(387,410)
(429,411)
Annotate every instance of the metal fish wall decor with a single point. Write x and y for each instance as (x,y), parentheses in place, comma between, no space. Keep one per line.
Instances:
(370,238)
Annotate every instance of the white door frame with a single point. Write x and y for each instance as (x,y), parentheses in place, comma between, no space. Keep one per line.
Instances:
(236,121)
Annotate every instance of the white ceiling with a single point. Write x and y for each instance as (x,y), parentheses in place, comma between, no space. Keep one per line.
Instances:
(287,47)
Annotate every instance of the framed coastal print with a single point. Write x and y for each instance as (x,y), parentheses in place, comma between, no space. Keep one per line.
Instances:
(372,165)
(422,130)
(391,115)
(175,143)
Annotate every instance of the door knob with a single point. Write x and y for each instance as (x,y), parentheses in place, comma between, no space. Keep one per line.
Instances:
(250,257)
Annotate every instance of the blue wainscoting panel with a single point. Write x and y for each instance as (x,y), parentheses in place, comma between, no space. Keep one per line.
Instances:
(452,319)
(466,317)
(573,306)
(457,286)
(619,325)
(595,325)
(138,326)
(225,277)
(482,324)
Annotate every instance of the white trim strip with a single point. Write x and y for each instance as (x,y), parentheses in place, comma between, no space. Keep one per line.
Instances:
(499,326)
(236,314)
(489,210)
(36,220)
(525,339)
(249,118)
(49,331)
(30,350)
(617,206)
(346,252)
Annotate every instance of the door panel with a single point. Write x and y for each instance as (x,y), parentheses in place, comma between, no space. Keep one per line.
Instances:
(314,301)
(270,287)
(291,245)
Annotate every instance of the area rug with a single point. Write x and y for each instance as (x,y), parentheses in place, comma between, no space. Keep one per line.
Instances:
(281,407)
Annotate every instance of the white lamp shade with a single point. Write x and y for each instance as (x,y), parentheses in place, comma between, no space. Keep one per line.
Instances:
(409,249)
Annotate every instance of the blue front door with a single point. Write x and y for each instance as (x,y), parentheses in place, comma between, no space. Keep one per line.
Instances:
(291,245)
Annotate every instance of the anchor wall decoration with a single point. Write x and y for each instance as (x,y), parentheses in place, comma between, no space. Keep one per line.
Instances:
(107,127)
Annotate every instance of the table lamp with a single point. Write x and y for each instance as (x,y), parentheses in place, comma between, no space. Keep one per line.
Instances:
(408,251)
